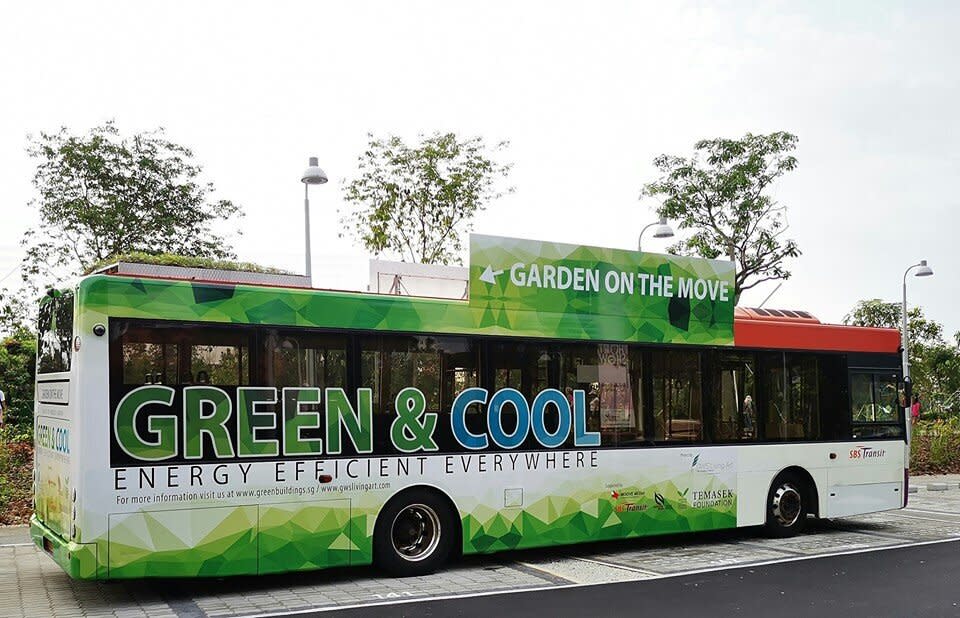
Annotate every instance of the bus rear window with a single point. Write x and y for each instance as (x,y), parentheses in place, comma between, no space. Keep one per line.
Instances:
(55,328)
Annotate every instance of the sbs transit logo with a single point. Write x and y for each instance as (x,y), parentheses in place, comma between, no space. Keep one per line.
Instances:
(866,452)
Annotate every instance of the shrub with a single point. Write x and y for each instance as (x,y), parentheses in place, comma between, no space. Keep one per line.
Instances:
(16,476)
(935,448)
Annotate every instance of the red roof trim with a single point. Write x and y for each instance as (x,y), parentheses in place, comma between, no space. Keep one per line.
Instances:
(797,335)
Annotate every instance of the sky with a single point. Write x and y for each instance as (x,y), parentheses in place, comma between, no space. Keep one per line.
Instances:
(587,93)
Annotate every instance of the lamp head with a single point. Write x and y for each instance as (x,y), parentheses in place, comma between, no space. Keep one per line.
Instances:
(923,270)
(313,175)
(663,230)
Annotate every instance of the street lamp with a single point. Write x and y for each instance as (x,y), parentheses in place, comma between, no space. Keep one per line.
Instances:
(663,231)
(922,271)
(313,175)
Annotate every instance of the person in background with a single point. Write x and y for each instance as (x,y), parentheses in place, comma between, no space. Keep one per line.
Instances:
(749,417)
(3,408)
(915,409)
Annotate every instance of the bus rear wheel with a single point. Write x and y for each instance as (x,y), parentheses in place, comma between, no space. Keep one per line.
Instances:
(414,534)
(787,506)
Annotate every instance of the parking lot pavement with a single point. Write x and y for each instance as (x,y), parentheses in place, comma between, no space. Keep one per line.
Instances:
(32,585)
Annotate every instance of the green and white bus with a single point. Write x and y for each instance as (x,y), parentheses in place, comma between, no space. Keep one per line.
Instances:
(190,427)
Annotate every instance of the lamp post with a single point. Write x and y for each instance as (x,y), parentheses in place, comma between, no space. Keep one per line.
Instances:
(663,231)
(922,271)
(313,175)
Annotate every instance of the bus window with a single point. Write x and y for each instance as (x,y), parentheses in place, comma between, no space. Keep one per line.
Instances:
(875,405)
(734,391)
(439,366)
(182,354)
(304,359)
(609,375)
(221,365)
(149,363)
(523,366)
(55,328)
(861,396)
(792,397)
(677,409)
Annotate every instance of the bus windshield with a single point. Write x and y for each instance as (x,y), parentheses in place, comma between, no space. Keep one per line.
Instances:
(55,328)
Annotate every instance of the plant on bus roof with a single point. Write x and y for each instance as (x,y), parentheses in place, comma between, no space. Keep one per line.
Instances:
(186,261)
(416,202)
(104,194)
(720,195)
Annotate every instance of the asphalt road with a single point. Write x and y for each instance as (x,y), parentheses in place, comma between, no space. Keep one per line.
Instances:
(911,581)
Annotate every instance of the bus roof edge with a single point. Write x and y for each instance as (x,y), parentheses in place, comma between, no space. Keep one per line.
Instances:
(207,275)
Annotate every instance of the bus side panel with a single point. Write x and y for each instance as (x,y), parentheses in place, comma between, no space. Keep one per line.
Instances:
(866,477)
(537,499)
(846,485)
(53,431)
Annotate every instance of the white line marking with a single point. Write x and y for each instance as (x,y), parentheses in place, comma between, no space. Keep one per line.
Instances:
(470,595)
(936,519)
(622,567)
(15,544)
(947,513)
(545,570)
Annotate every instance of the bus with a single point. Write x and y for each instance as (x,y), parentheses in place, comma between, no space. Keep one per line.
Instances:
(206,425)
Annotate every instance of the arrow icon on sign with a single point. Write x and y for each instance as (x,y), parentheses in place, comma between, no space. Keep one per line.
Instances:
(489,275)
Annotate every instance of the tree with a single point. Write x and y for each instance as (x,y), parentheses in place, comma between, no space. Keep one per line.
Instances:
(103,194)
(934,364)
(880,314)
(14,312)
(416,202)
(719,194)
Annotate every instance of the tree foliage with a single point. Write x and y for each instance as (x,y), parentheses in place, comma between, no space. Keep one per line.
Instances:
(14,312)
(103,194)
(417,202)
(934,363)
(18,354)
(880,314)
(720,194)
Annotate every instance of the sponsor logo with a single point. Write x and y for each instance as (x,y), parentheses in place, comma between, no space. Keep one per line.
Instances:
(711,498)
(618,492)
(630,507)
(660,501)
(866,452)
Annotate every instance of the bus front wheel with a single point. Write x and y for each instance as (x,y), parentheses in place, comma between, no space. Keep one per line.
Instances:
(786,506)
(414,534)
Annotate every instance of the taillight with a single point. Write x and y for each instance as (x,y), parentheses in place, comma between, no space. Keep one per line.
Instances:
(906,486)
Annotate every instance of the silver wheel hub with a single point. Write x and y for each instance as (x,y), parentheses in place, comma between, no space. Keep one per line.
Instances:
(415,532)
(787,505)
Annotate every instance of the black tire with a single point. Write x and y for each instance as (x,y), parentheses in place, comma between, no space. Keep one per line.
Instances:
(787,506)
(415,534)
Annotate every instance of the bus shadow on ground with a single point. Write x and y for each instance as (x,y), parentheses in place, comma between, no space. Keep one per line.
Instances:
(174,590)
